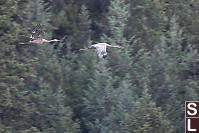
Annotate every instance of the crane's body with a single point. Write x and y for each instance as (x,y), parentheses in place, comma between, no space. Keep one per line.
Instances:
(100,48)
(41,41)
(38,41)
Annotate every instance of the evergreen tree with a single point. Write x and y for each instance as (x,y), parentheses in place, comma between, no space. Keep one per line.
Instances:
(104,104)
(84,33)
(66,14)
(52,112)
(164,74)
(53,88)
(97,10)
(180,85)
(187,18)
(147,21)
(15,72)
(78,67)
(147,118)
(117,19)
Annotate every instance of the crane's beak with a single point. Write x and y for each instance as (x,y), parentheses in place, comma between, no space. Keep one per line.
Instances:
(120,46)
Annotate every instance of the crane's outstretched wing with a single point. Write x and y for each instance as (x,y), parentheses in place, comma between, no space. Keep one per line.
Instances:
(37,33)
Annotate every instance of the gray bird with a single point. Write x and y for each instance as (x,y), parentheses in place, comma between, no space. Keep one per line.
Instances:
(100,48)
(37,36)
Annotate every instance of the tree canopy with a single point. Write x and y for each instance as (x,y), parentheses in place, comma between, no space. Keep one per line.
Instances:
(55,88)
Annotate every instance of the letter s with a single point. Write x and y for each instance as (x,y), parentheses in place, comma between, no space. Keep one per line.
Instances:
(192,108)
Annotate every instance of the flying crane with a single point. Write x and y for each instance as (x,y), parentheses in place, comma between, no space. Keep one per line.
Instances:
(100,48)
(37,36)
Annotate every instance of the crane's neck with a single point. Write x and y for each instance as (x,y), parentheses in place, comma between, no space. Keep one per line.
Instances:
(44,40)
(113,46)
(53,40)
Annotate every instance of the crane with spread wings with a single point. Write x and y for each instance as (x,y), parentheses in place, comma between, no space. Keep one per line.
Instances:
(100,48)
(37,36)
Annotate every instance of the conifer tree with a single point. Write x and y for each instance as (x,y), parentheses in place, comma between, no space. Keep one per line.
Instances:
(97,11)
(97,101)
(117,18)
(78,67)
(66,22)
(180,84)
(147,118)
(164,72)
(15,72)
(187,18)
(104,104)
(51,101)
(147,21)
(84,28)
(52,113)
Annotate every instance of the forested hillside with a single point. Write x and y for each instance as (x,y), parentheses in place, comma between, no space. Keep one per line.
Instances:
(55,88)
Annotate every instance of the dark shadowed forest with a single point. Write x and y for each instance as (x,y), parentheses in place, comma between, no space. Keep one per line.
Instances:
(55,88)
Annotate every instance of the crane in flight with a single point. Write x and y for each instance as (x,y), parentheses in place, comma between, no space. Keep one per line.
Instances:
(100,48)
(37,36)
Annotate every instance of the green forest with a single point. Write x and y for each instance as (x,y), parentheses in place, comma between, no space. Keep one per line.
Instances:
(55,88)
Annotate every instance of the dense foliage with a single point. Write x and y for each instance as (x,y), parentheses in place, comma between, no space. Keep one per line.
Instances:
(55,88)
